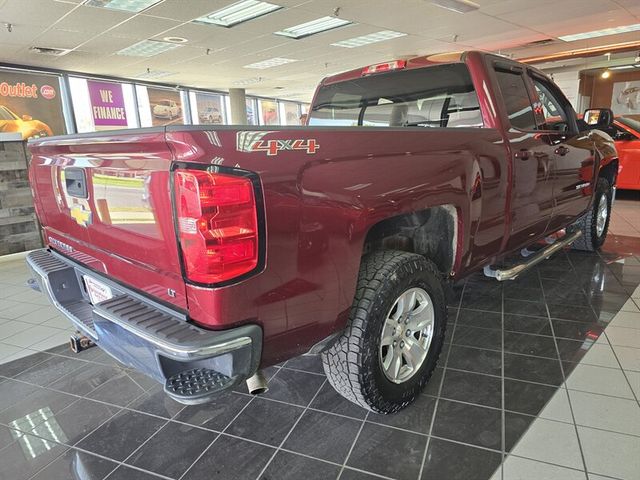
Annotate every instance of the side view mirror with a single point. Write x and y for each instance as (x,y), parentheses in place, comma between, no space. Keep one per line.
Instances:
(27,118)
(598,117)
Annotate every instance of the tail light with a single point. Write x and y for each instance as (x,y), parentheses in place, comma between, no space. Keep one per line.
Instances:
(217,225)
(384,67)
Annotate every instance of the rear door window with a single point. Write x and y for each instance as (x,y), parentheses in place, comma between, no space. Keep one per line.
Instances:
(431,97)
(516,99)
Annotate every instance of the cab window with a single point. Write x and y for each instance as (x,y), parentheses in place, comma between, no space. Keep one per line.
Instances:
(549,110)
(516,99)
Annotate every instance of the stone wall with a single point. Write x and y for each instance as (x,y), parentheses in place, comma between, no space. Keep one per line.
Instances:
(19,230)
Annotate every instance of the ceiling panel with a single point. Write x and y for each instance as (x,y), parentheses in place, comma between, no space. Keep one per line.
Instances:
(96,34)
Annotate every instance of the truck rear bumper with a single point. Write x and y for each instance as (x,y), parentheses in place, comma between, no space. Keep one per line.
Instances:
(193,363)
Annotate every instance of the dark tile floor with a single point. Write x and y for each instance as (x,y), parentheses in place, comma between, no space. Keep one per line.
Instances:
(539,378)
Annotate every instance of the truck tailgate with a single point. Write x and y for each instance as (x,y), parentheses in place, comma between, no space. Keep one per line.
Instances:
(104,200)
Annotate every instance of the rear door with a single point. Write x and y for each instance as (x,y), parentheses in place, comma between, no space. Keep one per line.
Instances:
(571,151)
(532,158)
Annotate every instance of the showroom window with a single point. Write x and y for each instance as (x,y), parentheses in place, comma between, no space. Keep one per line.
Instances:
(289,113)
(516,99)
(207,108)
(99,105)
(160,106)
(268,112)
(440,96)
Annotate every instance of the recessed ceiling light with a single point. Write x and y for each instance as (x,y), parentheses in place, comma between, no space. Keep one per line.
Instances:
(248,81)
(147,48)
(238,12)
(126,5)
(318,25)
(175,39)
(272,62)
(458,6)
(153,74)
(600,33)
(368,39)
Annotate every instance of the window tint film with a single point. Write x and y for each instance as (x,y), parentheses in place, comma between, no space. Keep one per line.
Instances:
(516,100)
(438,96)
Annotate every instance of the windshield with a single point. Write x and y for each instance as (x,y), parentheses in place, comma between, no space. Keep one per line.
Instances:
(165,103)
(6,114)
(632,121)
(438,96)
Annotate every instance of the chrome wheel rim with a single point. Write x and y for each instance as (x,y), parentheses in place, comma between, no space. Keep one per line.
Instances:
(602,214)
(406,335)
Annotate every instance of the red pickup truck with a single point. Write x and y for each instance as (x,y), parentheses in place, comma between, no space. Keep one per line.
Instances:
(200,255)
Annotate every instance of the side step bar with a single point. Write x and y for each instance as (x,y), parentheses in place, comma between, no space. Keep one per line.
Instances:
(512,273)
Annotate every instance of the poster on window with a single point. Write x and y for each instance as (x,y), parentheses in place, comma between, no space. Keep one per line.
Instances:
(165,106)
(30,104)
(107,105)
(209,109)
(269,111)
(626,97)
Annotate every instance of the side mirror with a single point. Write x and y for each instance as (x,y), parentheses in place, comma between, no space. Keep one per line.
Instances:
(27,118)
(598,117)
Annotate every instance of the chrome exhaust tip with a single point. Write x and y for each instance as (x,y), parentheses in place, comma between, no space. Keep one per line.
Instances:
(257,384)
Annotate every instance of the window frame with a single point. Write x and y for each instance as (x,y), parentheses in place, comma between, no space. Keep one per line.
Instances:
(504,67)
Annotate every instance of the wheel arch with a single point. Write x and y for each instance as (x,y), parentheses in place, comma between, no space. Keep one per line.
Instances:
(432,233)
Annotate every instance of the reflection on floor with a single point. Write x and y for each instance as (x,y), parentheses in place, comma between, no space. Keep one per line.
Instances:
(539,379)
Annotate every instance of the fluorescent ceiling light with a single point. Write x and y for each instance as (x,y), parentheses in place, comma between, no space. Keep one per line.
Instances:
(272,62)
(248,81)
(458,6)
(127,5)
(368,39)
(153,74)
(147,48)
(238,12)
(600,33)
(625,67)
(314,26)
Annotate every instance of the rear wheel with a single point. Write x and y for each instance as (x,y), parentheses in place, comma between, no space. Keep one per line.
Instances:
(394,335)
(594,224)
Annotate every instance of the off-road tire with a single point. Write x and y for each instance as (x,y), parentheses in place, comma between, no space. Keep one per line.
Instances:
(352,362)
(590,241)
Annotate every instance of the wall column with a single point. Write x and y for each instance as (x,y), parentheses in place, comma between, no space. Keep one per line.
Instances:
(237,99)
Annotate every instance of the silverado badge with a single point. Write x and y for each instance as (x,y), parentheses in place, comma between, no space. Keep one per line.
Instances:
(81,215)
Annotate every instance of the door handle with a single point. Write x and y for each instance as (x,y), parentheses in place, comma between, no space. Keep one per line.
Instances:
(522,154)
(561,150)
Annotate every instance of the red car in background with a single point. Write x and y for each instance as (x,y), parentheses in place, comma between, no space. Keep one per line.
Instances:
(627,141)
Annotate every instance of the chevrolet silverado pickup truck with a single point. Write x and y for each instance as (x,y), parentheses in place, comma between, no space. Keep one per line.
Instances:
(203,254)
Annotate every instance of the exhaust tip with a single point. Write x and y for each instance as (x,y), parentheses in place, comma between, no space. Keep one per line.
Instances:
(257,384)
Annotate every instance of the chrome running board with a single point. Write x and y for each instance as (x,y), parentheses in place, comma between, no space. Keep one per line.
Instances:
(512,273)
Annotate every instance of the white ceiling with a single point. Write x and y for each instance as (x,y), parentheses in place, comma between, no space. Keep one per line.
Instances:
(214,56)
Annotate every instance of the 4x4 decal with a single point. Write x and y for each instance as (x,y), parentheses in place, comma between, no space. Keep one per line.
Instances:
(253,142)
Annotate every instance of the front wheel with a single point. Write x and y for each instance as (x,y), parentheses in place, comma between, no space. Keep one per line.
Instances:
(394,335)
(595,222)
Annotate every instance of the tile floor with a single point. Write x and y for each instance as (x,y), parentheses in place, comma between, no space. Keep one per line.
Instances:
(539,379)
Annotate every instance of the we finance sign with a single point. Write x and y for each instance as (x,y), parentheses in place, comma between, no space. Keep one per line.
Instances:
(107,104)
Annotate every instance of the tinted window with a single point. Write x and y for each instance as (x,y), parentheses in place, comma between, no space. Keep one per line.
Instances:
(632,122)
(438,96)
(516,100)
(551,114)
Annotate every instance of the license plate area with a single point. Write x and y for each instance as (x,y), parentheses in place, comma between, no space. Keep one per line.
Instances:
(97,291)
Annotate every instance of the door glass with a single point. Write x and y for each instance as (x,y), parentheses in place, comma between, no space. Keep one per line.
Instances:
(516,100)
(549,111)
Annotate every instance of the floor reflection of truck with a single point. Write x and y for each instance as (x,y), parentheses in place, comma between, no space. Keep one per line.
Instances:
(25,125)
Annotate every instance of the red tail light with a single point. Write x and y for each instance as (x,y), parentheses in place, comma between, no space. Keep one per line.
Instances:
(384,67)
(217,225)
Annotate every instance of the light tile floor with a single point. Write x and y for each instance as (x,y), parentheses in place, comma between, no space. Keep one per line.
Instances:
(539,379)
